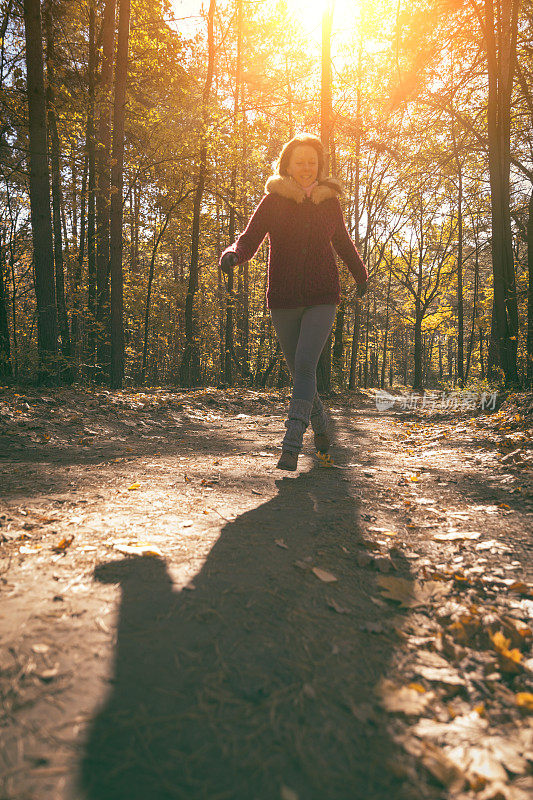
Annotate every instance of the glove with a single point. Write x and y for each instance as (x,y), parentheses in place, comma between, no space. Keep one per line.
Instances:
(361,289)
(228,261)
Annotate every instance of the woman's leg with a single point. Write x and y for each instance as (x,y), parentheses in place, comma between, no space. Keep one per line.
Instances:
(302,334)
(316,325)
(287,323)
(315,328)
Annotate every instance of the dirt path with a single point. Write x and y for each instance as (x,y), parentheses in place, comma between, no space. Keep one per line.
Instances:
(352,632)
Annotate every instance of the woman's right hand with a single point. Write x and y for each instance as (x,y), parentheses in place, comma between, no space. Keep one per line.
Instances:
(228,261)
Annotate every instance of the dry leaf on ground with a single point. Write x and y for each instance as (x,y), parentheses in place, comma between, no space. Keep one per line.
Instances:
(455,536)
(509,660)
(61,546)
(323,575)
(442,767)
(402,699)
(411,594)
(525,700)
(138,549)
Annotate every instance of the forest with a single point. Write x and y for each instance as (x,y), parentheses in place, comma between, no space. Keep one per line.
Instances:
(136,139)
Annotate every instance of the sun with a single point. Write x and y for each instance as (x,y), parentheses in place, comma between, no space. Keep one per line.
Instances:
(309,14)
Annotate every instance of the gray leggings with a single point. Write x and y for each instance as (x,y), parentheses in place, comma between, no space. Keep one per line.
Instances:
(302,334)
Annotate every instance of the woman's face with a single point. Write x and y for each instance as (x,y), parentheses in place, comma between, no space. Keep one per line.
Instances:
(303,165)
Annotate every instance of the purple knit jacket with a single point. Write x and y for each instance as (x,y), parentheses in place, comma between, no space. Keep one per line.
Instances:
(303,232)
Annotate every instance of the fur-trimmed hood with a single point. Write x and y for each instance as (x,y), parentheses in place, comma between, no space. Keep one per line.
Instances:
(287,187)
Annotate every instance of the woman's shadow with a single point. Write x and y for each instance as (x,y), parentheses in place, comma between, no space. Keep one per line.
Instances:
(260,677)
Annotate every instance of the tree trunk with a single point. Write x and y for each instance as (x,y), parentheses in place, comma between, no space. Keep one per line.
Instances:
(117,178)
(386,332)
(190,364)
(5,345)
(474,311)
(500,43)
(355,344)
(103,188)
(74,197)
(15,360)
(326,112)
(230,302)
(149,291)
(529,348)
(244,272)
(55,146)
(493,355)
(338,342)
(43,253)
(356,221)
(481,360)
(290,114)
(326,128)
(460,309)
(406,358)
(418,349)
(92,336)
(365,368)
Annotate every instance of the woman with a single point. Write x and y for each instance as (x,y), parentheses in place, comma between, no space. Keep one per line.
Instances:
(302,215)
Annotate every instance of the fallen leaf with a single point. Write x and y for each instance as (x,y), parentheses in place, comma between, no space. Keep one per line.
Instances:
(525,700)
(63,544)
(447,676)
(454,536)
(375,529)
(40,647)
(281,543)
(323,575)
(100,623)
(464,729)
(484,764)
(509,753)
(134,486)
(138,549)
(498,791)
(509,660)
(411,594)
(402,699)
(442,767)
(48,674)
(521,588)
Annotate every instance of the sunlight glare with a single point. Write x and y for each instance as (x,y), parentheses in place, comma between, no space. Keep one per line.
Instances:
(309,14)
